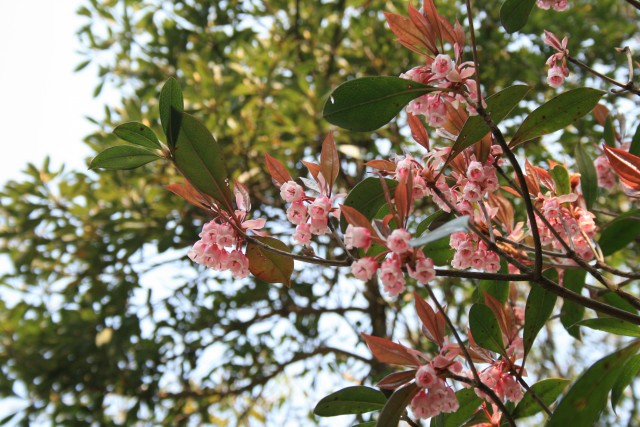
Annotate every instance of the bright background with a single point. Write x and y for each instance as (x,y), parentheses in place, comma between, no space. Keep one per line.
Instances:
(43,102)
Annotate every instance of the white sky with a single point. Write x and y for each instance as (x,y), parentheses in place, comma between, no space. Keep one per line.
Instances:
(43,101)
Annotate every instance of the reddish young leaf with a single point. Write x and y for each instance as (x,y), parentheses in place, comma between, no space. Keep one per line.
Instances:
(418,131)
(190,194)
(314,169)
(329,161)
(397,379)
(402,199)
(429,33)
(407,33)
(626,165)
(501,315)
(435,330)
(382,165)
(600,112)
(357,219)
(241,192)
(277,170)
(387,351)
(267,265)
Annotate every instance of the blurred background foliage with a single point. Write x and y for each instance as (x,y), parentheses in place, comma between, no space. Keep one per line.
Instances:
(104,320)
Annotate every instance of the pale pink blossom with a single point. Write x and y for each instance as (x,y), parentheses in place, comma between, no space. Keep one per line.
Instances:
(398,241)
(423,272)
(391,276)
(555,77)
(302,235)
(364,268)
(297,213)
(426,376)
(475,171)
(238,264)
(442,65)
(320,208)
(357,237)
(291,191)
(319,226)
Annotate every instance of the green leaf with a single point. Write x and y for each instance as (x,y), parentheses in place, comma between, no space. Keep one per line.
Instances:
(123,157)
(539,307)
(200,159)
(485,329)
(439,251)
(557,114)
(588,176)
(267,265)
(367,197)
(608,133)
(628,374)
(350,400)
(469,403)
(171,107)
(396,405)
(560,176)
(620,232)
(635,143)
(453,226)
(572,312)
(498,289)
(139,134)
(514,14)
(587,398)
(547,390)
(367,103)
(499,105)
(611,325)
(429,223)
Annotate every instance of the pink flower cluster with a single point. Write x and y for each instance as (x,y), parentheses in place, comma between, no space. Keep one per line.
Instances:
(574,224)
(211,251)
(446,73)
(390,271)
(471,252)
(435,395)
(604,171)
(309,214)
(557,5)
(557,62)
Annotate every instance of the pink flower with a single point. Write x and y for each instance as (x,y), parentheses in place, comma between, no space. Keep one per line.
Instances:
(391,276)
(320,208)
(442,65)
(398,241)
(297,213)
(555,77)
(319,226)
(225,235)
(291,191)
(424,271)
(302,235)
(475,171)
(472,192)
(426,376)
(364,268)
(357,237)
(238,263)
(421,405)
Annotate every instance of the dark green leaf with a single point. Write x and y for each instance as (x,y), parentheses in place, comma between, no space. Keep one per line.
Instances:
(485,329)
(620,232)
(557,114)
(547,390)
(350,400)
(171,107)
(611,325)
(588,176)
(367,103)
(608,134)
(587,398)
(439,251)
(396,405)
(499,105)
(539,307)
(137,133)
(515,13)
(498,289)
(367,197)
(268,265)
(123,157)
(635,143)
(82,65)
(628,374)
(572,312)
(433,221)
(469,403)
(445,230)
(200,159)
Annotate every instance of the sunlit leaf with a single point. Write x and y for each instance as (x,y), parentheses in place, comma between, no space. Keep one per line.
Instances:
(350,400)
(171,108)
(557,114)
(123,157)
(587,398)
(367,103)
(625,165)
(560,176)
(537,311)
(611,325)
(137,133)
(453,226)
(329,161)
(268,265)
(387,351)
